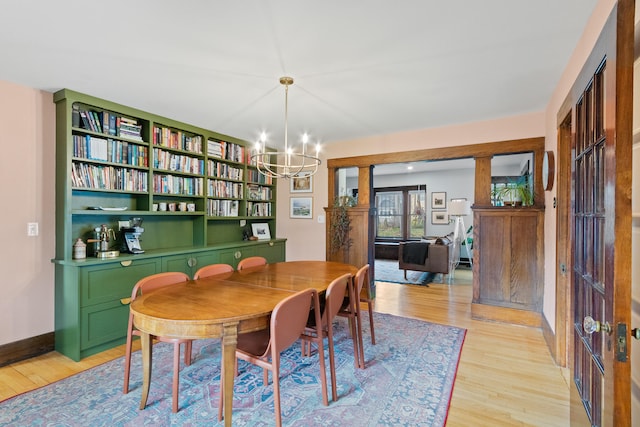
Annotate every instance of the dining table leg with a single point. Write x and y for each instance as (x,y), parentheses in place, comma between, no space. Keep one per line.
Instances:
(145,341)
(229,343)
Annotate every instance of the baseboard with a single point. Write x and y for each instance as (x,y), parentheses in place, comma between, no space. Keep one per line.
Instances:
(550,339)
(26,348)
(505,315)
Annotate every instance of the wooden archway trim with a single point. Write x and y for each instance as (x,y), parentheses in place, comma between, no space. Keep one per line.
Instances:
(481,152)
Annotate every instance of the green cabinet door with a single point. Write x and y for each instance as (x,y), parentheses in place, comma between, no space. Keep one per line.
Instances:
(272,251)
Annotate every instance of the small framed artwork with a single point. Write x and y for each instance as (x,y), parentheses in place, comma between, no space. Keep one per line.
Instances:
(301,207)
(261,231)
(439,217)
(302,183)
(438,200)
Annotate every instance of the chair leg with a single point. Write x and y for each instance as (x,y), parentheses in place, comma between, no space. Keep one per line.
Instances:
(127,364)
(358,335)
(370,306)
(275,366)
(187,353)
(176,377)
(332,364)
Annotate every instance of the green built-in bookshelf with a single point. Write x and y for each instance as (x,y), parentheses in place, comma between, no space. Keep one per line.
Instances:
(114,163)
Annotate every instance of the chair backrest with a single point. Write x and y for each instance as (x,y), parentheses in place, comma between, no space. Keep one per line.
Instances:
(252,261)
(212,270)
(289,318)
(362,277)
(156,281)
(334,297)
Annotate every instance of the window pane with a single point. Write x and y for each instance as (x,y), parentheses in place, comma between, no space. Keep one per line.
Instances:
(389,208)
(417,213)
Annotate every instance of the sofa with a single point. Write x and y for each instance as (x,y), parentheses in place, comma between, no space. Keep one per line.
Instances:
(430,255)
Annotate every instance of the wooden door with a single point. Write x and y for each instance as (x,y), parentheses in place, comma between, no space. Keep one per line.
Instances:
(601,224)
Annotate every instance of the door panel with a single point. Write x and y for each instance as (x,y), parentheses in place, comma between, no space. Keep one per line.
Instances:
(600,221)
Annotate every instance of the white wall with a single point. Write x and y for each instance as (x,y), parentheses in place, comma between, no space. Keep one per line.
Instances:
(27,172)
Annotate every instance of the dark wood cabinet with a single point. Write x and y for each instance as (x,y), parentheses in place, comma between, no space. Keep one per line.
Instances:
(508,267)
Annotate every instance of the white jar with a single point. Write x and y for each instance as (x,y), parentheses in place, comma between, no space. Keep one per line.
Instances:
(79,249)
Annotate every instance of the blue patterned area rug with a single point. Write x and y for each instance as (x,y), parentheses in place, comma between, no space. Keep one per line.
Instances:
(388,271)
(408,381)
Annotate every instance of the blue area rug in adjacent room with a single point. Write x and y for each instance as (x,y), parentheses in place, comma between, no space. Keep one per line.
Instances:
(388,271)
(408,381)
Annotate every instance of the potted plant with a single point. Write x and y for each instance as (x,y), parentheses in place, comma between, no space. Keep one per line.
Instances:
(515,193)
(340,224)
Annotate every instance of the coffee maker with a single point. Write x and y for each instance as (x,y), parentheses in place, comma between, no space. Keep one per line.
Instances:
(131,236)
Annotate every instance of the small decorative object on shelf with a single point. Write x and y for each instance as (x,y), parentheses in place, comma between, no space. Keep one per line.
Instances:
(261,231)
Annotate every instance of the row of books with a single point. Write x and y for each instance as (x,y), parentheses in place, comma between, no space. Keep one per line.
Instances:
(110,150)
(177,139)
(106,122)
(177,162)
(171,184)
(225,170)
(222,208)
(224,189)
(258,192)
(258,209)
(225,150)
(254,176)
(85,175)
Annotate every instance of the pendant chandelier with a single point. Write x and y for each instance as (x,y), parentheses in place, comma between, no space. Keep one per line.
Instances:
(287,163)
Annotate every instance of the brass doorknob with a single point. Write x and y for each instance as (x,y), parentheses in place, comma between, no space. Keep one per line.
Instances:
(590,326)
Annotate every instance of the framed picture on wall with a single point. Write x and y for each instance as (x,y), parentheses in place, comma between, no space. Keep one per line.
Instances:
(302,183)
(438,200)
(301,207)
(439,217)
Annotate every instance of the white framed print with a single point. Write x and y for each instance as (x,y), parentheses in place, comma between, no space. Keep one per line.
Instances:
(261,231)
(439,200)
(301,207)
(439,217)
(303,183)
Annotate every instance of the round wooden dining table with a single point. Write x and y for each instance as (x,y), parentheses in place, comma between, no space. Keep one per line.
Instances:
(224,306)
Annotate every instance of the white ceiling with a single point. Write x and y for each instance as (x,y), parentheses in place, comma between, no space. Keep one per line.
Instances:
(361,67)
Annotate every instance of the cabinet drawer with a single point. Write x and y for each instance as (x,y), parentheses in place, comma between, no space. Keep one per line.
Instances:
(103,323)
(113,281)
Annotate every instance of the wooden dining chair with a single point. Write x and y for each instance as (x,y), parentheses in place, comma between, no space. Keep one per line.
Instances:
(368,298)
(351,309)
(150,284)
(212,270)
(262,348)
(252,261)
(317,331)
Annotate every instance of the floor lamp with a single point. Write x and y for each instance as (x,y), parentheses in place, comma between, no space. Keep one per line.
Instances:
(458,209)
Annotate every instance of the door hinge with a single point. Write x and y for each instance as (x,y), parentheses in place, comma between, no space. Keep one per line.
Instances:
(621,342)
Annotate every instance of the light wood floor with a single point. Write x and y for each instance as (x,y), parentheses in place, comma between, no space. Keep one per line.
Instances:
(506,376)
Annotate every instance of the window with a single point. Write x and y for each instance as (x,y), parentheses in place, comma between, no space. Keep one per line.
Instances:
(401,212)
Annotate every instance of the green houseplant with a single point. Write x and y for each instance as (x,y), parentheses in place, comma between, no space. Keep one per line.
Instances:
(340,224)
(514,193)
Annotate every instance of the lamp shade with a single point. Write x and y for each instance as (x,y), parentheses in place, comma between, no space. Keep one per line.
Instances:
(459,207)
